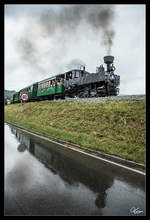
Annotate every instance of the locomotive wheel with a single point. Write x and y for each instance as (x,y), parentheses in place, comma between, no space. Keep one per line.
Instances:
(83,95)
(86,93)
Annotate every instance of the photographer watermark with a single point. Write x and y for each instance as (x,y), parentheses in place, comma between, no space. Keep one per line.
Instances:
(136,211)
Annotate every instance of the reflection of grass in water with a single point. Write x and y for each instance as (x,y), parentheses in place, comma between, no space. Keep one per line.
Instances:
(112,127)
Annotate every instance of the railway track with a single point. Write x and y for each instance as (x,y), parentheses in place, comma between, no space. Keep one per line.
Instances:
(103,99)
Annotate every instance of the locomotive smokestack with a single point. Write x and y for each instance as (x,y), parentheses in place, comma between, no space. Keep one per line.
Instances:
(108,60)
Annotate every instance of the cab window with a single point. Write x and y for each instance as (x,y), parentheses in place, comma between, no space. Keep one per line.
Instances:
(69,76)
(77,74)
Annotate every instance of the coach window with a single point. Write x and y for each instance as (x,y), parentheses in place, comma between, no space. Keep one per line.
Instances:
(62,81)
(70,76)
(58,83)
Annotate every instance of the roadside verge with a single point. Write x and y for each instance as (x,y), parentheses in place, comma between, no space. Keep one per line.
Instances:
(110,158)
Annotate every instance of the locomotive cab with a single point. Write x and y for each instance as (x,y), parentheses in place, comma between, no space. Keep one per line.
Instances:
(76,73)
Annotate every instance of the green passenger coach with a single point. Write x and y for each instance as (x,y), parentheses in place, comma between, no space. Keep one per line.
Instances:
(46,89)
(31,90)
(51,88)
(15,97)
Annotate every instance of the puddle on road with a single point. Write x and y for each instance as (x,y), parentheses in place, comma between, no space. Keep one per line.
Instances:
(43,178)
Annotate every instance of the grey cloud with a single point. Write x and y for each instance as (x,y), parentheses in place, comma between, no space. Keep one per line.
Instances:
(62,27)
(55,35)
(67,21)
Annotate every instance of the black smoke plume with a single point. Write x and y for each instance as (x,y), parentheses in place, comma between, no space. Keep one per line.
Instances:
(67,21)
(62,26)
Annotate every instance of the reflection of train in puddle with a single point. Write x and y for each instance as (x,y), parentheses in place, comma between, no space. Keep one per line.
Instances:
(72,170)
(76,169)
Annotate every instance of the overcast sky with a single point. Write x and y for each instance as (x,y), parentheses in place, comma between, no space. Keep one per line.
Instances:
(45,40)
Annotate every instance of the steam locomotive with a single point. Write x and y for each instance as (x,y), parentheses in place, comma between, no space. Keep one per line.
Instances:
(74,83)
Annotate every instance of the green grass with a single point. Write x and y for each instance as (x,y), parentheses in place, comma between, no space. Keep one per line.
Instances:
(116,128)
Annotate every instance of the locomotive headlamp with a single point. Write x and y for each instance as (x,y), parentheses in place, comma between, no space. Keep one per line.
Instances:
(113,68)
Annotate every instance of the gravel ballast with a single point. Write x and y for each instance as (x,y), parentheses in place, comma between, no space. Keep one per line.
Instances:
(103,99)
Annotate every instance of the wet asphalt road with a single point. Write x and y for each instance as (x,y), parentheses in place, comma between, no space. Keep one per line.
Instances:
(42,178)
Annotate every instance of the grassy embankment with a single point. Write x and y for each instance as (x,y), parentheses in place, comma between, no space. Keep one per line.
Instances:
(116,128)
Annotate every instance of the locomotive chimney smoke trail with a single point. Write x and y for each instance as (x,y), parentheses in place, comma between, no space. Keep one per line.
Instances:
(108,40)
(29,53)
(99,17)
(26,48)
(67,19)
(62,27)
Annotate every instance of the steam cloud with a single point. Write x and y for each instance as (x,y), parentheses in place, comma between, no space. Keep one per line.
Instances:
(75,63)
(63,26)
